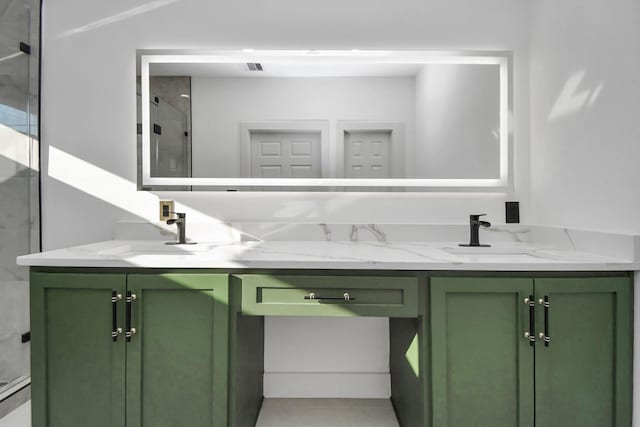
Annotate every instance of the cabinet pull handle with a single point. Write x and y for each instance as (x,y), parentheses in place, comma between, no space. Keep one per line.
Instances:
(115,330)
(544,336)
(345,297)
(530,335)
(130,331)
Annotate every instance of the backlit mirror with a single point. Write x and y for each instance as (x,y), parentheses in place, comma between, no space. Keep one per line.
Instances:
(324,120)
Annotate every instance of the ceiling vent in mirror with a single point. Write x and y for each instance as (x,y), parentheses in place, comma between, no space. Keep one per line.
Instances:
(254,66)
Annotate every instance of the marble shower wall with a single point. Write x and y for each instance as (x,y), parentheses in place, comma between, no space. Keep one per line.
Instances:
(19,187)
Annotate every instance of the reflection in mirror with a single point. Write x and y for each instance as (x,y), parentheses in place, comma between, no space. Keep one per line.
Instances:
(325,121)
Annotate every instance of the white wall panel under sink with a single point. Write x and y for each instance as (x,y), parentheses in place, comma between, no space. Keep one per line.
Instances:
(327,357)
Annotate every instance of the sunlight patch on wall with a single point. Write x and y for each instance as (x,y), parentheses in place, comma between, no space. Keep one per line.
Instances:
(111,188)
(572,100)
(118,17)
(15,146)
(413,356)
(99,183)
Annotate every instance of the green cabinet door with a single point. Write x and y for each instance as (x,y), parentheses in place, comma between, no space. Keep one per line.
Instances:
(583,376)
(77,370)
(482,365)
(177,358)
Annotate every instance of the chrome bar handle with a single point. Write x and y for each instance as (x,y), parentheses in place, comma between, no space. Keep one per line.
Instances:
(130,331)
(544,336)
(115,330)
(530,335)
(345,297)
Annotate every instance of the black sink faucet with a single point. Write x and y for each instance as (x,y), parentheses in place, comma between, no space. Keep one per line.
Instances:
(181,222)
(474,226)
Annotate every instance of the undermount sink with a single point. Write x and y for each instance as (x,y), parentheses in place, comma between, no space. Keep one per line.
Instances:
(485,250)
(491,254)
(159,247)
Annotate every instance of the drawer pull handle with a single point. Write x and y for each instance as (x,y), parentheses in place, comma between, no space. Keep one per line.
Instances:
(345,297)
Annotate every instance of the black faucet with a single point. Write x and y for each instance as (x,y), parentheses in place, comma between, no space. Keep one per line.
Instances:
(474,225)
(181,221)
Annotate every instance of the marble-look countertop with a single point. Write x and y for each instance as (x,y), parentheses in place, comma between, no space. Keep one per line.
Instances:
(329,254)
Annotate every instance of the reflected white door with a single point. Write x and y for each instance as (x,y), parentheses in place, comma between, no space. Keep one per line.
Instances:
(285,155)
(367,154)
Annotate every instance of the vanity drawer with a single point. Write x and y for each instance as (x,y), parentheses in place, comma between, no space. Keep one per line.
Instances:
(282,295)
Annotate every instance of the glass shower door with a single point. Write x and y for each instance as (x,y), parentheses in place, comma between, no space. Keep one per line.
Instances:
(19,189)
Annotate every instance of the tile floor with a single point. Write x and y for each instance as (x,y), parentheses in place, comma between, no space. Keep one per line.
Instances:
(327,413)
(288,412)
(20,417)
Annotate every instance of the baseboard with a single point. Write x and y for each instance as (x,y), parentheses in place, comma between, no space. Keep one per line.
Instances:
(362,385)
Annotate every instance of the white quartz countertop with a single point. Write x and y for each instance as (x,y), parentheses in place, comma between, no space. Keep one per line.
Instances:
(312,254)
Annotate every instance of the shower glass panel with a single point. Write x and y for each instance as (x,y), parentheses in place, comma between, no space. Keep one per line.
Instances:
(169,128)
(19,188)
(170,156)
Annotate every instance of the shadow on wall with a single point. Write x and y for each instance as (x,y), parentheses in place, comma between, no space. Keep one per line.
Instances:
(83,179)
(122,194)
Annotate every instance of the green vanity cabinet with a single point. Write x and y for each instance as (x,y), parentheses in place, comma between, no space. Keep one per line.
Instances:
(584,376)
(177,359)
(482,367)
(325,295)
(487,371)
(167,367)
(142,348)
(77,370)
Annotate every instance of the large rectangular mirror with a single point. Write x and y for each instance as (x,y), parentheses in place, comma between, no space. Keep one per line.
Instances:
(325,120)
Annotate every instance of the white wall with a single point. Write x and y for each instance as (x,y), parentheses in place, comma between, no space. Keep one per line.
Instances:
(220,104)
(458,131)
(585,114)
(88,100)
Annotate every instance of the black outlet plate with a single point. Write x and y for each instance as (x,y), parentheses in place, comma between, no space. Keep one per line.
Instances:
(512,212)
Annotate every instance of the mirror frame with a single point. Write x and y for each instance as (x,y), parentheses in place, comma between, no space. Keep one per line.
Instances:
(504,59)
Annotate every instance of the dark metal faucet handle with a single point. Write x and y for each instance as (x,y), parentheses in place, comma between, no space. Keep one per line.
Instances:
(476,216)
(181,216)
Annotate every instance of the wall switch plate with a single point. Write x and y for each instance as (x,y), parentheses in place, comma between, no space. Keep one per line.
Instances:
(512,212)
(166,209)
